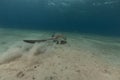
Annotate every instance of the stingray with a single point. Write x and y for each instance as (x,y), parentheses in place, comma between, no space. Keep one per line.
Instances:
(58,38)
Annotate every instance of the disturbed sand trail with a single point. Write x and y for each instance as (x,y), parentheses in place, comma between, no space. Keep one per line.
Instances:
(82,58)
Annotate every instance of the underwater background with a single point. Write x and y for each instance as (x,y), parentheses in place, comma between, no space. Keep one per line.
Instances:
(85,41)
(85,16)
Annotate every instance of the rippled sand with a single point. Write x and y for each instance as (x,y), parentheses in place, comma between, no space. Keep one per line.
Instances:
(84,57)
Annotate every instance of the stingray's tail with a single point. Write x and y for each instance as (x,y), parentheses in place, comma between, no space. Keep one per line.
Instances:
(34,41)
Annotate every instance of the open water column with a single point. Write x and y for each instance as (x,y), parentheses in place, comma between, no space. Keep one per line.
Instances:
(86,16)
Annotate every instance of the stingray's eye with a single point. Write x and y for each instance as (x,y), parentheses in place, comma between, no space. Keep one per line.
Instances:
(53,35)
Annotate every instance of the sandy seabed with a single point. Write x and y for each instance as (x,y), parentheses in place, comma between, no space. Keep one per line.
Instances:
(84,57)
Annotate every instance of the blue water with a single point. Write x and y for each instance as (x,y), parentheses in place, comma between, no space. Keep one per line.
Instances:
(86,16)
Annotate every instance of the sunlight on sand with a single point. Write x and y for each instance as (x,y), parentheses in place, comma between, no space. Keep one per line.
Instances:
(84,57)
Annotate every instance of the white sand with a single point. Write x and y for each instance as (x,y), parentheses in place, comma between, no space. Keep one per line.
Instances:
(84,57)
